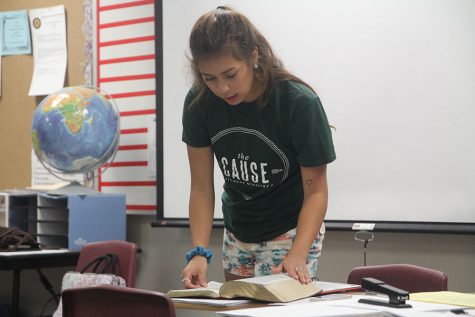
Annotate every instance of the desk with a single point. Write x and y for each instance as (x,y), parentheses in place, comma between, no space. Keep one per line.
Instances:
(346,305)
(18,261)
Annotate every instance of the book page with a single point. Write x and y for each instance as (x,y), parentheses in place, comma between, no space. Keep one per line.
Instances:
(213,302)
(270,288)
(212,291)
(266,279)
(290,290)
(214,285)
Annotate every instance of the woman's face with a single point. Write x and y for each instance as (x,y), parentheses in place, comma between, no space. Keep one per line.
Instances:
(229,78)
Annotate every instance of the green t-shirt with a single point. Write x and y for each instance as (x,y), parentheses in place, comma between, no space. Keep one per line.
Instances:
(259,151)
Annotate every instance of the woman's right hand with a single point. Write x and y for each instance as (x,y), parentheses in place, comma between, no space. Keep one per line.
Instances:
(194,274)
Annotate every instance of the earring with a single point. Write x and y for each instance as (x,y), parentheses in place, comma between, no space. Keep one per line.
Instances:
(256,66)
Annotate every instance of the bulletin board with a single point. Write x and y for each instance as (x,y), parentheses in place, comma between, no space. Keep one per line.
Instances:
(16,107)
(125,59)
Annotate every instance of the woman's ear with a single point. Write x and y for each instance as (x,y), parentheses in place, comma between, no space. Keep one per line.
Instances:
(255,55)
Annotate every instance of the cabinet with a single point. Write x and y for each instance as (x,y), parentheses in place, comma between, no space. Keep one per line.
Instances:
(68,221)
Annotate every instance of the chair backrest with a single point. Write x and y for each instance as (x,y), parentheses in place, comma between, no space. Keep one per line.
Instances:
(126,253)
(113,301)
(411,278)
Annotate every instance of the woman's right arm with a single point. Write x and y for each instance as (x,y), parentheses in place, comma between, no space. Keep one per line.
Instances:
(201,212)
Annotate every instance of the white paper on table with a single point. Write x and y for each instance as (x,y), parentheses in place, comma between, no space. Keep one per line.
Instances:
(343,307)
(417,307)
(48,32)
(302,310)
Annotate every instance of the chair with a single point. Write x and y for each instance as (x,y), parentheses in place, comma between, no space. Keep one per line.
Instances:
(113,301)
(411,278)
(126,253)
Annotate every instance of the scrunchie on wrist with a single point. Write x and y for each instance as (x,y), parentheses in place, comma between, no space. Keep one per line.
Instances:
(208,254)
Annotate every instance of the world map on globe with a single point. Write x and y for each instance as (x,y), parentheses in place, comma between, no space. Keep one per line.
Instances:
(75,130)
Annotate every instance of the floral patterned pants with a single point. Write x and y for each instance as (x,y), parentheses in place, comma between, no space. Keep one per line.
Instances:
(256,259)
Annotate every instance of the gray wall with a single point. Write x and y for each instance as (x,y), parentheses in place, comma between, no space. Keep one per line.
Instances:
(163,250)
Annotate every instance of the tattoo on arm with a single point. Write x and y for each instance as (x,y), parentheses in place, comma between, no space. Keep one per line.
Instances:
(309,181)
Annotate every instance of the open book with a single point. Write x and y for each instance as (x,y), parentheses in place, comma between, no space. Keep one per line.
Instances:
(270,288)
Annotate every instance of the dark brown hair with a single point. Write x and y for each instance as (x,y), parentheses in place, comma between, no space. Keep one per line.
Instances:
(225,30)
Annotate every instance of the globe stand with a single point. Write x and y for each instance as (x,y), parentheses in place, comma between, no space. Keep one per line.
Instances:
(73,188)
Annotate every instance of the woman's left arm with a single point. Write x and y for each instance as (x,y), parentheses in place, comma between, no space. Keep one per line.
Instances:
(312,213)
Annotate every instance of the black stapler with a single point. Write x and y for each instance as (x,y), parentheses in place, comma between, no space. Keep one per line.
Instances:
(397,296)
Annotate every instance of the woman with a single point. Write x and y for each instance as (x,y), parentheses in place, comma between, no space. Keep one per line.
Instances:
(272,141)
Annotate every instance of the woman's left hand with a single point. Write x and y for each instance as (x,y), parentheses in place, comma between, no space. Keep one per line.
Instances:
(295,268)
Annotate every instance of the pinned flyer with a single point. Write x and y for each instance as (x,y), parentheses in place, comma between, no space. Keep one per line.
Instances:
(15,33)
(48,31)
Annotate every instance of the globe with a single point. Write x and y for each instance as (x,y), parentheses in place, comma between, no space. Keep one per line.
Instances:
(75,130)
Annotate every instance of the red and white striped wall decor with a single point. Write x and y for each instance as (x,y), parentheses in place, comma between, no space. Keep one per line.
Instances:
(125,69)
